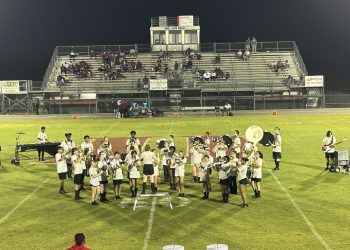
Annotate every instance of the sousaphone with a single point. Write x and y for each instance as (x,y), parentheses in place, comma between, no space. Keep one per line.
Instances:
(254,134)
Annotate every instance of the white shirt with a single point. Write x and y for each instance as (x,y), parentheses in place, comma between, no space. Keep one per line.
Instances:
(42,137)
(104,167)
(136,140)
(220,150)
(78,166)
(227,106)
(165,156)
(236,145)
(257,171)
(94,181)
(329,141)
(278,142)
(61,163)
(117,169)
(242,172)
(148,157)
(87,147)
(224,171)
(67,146)
(197,155)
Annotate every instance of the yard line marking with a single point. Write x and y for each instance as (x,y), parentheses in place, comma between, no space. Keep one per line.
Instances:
(301,213)
(150,224)
(3,219)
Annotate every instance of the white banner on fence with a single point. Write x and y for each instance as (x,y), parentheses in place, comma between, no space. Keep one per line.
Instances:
(9,87)
(314,81)
(185,21)
(158,84)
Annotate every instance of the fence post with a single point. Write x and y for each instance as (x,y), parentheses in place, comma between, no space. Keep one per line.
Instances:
(214,47)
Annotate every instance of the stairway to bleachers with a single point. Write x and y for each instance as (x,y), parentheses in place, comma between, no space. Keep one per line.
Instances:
(253,74)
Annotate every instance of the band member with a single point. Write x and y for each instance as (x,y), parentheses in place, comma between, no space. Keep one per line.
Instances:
(133,172)
(227,109)
(205,166)
(133,140)
(180,162)
(328,145)
(277,148)
(94,173)
(78,164)
(171,141)
(88,150)
(117,170)
(223,167)
(236,146)
(243,181)
(164,152)
(234,161)
(61,168)
(105,146)
(171,167)
(207,139)
(67,146)
(197,154)
(149,159)
(156,171)
(256,164)
(42,138)
(220,149)
(103,166)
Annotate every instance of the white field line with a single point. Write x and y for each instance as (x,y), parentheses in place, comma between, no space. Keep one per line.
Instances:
(301,213)
(150,224)
(3,219)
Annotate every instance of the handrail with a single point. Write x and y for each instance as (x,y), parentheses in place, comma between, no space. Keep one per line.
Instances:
(49,68)
(299,59)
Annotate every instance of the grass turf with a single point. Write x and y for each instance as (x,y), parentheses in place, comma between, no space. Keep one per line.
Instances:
(47,220)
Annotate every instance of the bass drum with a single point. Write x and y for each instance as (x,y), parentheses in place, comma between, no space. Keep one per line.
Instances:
(198,139)
(227,140)
(160,143)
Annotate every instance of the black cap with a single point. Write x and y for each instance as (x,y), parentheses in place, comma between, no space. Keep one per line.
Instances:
(133,132)
(67,134)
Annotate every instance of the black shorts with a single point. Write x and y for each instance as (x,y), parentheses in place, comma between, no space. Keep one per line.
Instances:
(78,179)
(225,181)
(94,186)
(256,179)
(103,182)
(329,155)
(117,182)
(148,169)
(62,176)
(244,181)
(276,155)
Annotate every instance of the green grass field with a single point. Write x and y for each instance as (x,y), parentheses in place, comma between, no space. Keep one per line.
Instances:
(301,206)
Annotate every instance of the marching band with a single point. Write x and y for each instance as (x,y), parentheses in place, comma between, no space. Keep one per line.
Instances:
(235,163)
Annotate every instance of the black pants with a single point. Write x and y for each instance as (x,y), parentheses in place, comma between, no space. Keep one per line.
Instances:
(232,184)
(41,154)
(166,172)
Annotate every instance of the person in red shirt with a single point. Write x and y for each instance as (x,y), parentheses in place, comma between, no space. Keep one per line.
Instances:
(79,240)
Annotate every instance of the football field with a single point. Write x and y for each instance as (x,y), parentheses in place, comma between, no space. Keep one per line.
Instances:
(301,206)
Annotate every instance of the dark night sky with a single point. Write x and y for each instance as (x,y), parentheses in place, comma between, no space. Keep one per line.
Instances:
(30,29)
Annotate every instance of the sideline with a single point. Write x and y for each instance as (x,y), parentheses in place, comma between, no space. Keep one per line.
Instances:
(301,213)
(3,219)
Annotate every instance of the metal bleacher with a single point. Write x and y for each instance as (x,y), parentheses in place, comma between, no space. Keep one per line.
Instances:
(255,74)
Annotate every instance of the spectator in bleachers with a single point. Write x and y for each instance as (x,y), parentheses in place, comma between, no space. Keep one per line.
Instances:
(246,55)
(161,54)
(93,54)
(207,76)
(239,54)
(138,84)
(188,52)
(63,69)
(72,53)
(254,44)
(213,76)
(138,65)
(227,76)
(219,73)
(132,53)
(145,80)
(247,44)
(217,58)
(102,68)
(166,68)
(176,66)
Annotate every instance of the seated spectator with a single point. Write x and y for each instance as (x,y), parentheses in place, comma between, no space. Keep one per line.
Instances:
(161,54)
(93,54)
(176,66)
(72,53)
(145,80)
(239,54)
(206,76)
(63,69)
(246,55)
(219,73)
(132,53)
(227,76)
(198,56)
(79,240)
(213,76)
(166,68)
(189,64)
(138,84)
(217,58)
(138,65)
(102,68)
(188,52)
(196,72)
